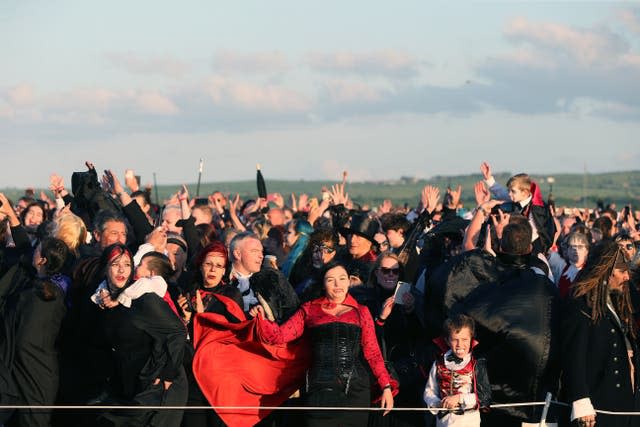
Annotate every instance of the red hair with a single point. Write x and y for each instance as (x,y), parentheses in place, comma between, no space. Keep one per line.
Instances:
(213,247)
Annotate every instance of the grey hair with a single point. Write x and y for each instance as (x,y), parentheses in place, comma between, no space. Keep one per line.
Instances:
(104,216)
(235,242)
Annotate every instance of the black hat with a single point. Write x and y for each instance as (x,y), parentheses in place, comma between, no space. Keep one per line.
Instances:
(362,225)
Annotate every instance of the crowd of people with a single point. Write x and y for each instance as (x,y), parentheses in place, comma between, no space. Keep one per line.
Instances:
(110,301)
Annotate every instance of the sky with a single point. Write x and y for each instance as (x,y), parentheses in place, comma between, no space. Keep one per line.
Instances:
(309,89)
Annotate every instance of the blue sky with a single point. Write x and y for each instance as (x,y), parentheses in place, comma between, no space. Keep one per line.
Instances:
(308,89)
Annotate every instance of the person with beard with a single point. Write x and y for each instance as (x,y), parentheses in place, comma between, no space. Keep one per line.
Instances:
(599,341)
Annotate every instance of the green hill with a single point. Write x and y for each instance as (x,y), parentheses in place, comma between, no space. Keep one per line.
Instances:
(568,189)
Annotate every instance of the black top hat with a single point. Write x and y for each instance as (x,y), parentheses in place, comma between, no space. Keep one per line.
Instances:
(362,225)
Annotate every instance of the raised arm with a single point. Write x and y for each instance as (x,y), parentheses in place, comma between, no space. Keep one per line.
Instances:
(272,333)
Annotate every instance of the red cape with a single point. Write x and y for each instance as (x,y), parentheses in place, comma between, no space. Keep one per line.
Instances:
(234,368)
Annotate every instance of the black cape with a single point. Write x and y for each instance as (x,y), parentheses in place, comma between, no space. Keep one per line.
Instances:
(516,315)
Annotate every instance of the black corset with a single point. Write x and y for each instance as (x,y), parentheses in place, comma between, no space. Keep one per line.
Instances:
(336,356)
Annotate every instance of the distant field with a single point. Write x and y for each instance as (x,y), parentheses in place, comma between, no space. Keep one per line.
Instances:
(568,189)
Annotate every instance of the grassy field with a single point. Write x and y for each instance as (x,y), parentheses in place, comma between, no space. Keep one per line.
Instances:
(568,189)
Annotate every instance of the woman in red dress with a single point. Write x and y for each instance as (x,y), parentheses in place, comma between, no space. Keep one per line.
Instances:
(342,337)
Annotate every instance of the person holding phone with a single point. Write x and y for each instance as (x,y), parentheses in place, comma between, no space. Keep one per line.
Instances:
(399,334)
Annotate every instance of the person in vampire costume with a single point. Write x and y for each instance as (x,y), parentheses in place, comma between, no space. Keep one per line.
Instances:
(342,336)
(516,313)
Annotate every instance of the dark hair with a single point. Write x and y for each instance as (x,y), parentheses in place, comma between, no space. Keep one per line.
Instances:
(591,283)
(207,233)
(331,265)
(143,194)
(395,221)
(31,205)
(56,252)
(456,323)
(516,239)
(605,225)
(324,234)
(159,263)
(114,251)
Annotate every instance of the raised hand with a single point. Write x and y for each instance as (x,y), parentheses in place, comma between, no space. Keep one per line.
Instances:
(338,195)
(385,207)
(56,184)
(183,193)
(500,221)
(130,180)
(158,239)
(429,197)
(482,193)
(303,200)
(485,169)
(317,210)
(6,210)
(278,200)
(454,197)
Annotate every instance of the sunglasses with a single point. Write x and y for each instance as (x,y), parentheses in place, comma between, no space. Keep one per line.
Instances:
(386,270)
(325,249)
(627,246)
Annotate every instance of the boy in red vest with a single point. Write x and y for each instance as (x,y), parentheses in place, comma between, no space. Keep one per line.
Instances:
(456,377)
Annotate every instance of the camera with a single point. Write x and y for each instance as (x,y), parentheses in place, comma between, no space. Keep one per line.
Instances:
(507,207)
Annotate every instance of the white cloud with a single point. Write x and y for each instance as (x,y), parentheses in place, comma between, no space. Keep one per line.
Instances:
(21,95)
(588,47)
(249,96)
(148,65)
(6,111)
(342,91)
(156,103)
(82,99)
(595,107)
(383,62)
(226,61)
(631,19)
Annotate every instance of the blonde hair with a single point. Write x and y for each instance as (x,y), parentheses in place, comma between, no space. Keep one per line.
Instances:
(71,230)
(521,181)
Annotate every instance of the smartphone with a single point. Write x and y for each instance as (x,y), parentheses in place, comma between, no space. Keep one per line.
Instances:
(109,176)
(402,288)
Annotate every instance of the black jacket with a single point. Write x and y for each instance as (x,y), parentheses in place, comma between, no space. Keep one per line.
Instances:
(595,364)
(29,327)
(146,341)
